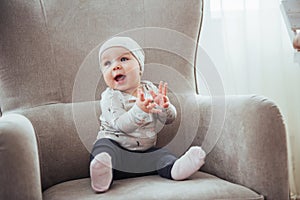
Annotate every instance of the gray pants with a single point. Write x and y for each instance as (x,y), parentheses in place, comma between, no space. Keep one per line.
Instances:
(128,164)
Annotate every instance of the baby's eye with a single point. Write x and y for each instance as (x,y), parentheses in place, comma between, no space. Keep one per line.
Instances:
(107,63)
(123,59)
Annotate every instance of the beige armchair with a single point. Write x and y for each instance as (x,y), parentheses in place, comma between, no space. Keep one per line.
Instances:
(50,90)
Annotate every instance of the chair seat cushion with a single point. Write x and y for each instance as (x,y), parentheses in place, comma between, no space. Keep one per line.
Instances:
(199,186)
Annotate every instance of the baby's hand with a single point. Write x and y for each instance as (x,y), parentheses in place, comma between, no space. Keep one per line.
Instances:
(147,105)
(161,98)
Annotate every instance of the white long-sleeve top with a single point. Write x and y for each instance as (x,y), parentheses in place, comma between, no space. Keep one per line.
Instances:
(124,122)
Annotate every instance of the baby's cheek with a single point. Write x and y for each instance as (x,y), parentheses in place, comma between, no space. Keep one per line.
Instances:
(109,82)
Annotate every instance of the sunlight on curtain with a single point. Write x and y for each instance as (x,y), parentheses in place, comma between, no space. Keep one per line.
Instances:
(248,42)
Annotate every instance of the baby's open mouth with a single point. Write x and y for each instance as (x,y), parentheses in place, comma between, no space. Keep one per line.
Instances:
(119,77)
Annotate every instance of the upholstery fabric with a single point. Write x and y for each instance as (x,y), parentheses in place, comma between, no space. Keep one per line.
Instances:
(253,131)
(50,85)
(153,187)
(19,161)
(43,43)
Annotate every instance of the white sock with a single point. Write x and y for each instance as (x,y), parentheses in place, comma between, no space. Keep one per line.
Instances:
(188,164)
(101,172)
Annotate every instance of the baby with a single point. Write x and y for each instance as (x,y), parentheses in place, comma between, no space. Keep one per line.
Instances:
(131,113)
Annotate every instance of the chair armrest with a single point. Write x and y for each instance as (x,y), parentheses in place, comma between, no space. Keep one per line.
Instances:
(252,147)
(19,162)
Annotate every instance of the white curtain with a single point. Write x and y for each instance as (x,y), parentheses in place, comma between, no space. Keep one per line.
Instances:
(248,42)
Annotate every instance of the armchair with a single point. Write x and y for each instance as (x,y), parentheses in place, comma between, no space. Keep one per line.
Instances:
(50,88)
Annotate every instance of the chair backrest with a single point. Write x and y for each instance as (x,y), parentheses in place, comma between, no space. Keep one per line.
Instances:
(49,63)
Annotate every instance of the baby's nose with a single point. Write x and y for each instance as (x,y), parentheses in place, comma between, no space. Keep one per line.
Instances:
(117,67)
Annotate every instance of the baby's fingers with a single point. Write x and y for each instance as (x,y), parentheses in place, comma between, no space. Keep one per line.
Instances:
(166,105)
(151,107)
(140,95)
(165,102)
(153,94)
(147,102)
(165,89)
(160,87)
(165,99)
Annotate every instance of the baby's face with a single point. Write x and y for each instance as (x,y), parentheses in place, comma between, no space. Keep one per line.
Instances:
(121,70)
